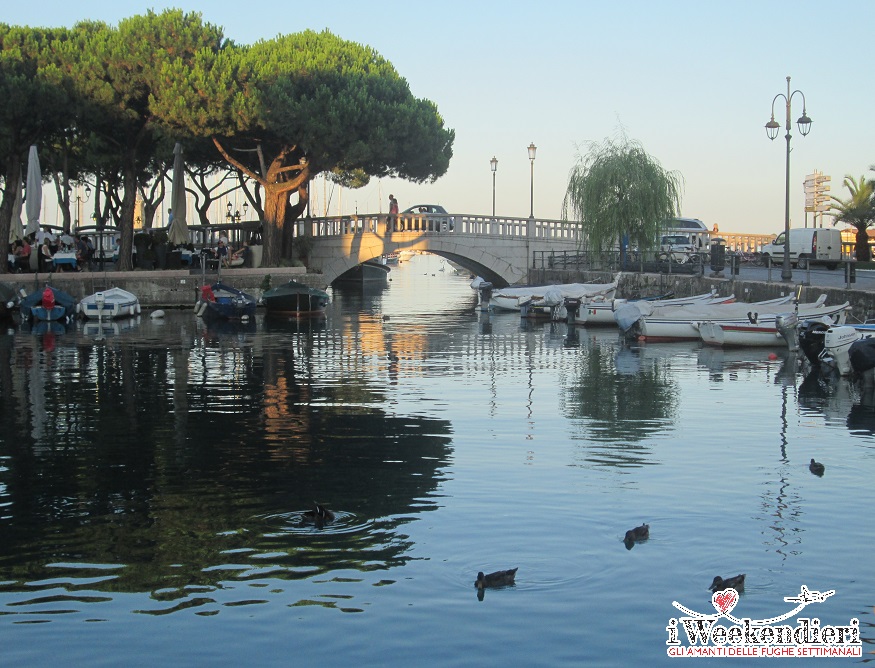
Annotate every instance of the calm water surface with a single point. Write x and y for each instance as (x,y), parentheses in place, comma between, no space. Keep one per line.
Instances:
(153,485)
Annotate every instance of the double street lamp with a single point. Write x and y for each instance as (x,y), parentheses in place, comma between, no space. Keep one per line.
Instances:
(532,149)
(772,128)
(494,165)
(234,217)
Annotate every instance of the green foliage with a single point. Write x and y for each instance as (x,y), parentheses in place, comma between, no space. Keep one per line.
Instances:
(265,283)
(356,178)
(617,189)
(857,210)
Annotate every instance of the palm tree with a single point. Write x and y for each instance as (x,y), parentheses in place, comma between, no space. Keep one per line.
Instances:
(858,210)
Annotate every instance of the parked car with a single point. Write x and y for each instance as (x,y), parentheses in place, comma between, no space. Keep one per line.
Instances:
(432,212)
(678,246)
(808,245)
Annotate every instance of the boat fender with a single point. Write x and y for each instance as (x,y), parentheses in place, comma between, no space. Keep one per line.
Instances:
(753,317)
(157,314)
(48,300)
(138,309)
(200,311)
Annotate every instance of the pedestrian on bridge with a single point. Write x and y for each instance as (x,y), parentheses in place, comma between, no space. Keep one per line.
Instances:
(393,212)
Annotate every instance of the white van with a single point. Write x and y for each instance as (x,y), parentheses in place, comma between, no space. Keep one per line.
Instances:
(808,245)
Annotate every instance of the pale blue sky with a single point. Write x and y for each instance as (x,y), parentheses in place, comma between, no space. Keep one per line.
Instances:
(692,81)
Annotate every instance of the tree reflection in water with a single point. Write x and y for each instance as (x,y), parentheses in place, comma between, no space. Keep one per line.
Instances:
(622,396)
(169,461)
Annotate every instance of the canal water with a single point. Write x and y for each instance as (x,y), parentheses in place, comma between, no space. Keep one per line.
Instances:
(155,478)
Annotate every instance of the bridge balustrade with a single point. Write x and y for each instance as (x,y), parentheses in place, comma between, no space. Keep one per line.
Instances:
(453,224)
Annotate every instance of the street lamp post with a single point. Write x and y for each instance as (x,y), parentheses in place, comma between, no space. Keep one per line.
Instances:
(79,200)
(772,128)
(532,149)
(494,165)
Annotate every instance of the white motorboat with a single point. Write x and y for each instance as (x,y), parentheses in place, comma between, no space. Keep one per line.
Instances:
(600,311)
(764,330)
(681,323)
(542,298)
(111,303)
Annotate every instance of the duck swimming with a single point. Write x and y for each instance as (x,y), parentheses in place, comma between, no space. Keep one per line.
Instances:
(816,467)
(736,582)
(638,533)
(496,579)
(319,515)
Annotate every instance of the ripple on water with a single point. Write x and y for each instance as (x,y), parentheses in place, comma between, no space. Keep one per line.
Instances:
(296,522)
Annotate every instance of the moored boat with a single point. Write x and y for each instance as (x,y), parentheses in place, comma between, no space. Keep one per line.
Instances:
(224,302)
(543,299)
(112,303)
(600,311)
(48,304)
(766,330)
(681,323)
(295,299)
(368,272)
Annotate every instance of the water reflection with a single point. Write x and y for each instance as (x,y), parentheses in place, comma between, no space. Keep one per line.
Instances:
(622,396)
(160,459)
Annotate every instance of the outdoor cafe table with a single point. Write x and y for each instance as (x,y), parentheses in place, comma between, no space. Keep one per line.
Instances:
(64,257)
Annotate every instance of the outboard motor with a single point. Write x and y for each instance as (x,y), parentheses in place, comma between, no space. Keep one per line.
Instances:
(572,308)
(837,343)
(788,327)
(485,292)
(811,339)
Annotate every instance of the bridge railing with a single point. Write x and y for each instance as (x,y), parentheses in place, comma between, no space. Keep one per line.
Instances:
(452,224)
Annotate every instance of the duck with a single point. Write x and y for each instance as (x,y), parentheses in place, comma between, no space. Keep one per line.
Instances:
(638,533)
(496,579)
(736,582)
(319,515)
(816,467)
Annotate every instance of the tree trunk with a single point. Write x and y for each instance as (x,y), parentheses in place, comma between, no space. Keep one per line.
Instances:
(13,184)
(274,210)
(126,218)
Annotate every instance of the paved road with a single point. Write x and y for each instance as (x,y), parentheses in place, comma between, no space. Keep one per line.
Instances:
(815,276)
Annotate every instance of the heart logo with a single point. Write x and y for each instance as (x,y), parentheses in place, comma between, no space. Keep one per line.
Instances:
(725,600)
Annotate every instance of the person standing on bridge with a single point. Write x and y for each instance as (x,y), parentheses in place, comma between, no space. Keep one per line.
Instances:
(393,211)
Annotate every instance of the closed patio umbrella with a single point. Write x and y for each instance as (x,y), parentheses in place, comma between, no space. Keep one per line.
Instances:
(178,233)
(16,229)
(33,203)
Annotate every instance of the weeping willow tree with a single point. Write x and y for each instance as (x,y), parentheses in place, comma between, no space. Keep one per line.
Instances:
(621,194)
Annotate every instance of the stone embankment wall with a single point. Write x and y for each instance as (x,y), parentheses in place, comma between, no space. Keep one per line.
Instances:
(634,285)
(164,289)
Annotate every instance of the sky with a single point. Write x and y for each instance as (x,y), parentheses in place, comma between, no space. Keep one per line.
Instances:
(693,82)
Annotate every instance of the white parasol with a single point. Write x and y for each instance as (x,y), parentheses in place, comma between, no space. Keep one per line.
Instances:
(178,233)
(34,200)
(16,229)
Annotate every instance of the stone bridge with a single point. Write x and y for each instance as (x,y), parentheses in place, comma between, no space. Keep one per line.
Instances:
(498,249)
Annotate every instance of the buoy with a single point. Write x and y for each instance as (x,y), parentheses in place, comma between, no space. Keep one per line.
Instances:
(772,357)
(157,314)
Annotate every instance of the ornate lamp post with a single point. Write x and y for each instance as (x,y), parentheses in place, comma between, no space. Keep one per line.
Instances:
(494,165)
(772,128)
(79,200)
(532,149)
(235,216)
